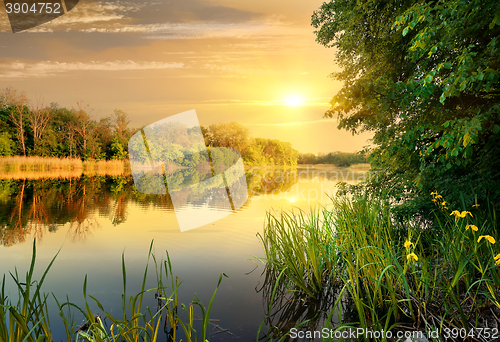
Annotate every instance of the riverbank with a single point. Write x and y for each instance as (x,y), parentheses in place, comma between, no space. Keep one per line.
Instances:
(19,167)
(361,166)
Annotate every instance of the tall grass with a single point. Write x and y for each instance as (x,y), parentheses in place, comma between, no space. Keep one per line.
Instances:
(28,318)
(396,274)
(19,167)
(302,246)
(39,163)
(106,167)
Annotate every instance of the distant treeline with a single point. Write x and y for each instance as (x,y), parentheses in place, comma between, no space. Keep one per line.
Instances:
(254,151)
(335,158)
(33,128)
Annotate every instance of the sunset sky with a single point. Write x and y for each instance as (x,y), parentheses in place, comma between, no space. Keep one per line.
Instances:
(254,62)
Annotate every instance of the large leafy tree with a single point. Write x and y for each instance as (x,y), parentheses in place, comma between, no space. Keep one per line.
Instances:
(424,77)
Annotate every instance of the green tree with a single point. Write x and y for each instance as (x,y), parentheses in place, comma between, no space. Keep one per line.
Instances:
(62,128)
(120,124)
(231,134)
(424,78)
(17,105)
(7,145)
(118,152)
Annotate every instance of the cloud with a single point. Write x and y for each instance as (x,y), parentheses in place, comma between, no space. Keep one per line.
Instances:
(163,20)
(176,19)
(85,14)
(16,69)
(307,103)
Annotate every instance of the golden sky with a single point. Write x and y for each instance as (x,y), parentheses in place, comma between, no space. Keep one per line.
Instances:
(254,62)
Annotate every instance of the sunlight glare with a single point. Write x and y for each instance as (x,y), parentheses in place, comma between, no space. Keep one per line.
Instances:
(294,100)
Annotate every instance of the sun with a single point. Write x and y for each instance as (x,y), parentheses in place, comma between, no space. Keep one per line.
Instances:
(294,100)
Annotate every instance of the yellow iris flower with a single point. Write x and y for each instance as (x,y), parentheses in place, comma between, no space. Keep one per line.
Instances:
(460,214)
(491,239)
(408,244)
(497,259)
(471,226)
(412,255)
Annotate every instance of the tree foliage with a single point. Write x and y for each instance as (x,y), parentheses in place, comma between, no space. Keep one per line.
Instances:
(35,129)
(424,78)
(254,151)
(340,159)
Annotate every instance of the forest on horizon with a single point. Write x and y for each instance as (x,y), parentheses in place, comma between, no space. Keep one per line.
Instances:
(34,128)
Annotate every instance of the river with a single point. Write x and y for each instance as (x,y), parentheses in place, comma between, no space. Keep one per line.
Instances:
(93,220)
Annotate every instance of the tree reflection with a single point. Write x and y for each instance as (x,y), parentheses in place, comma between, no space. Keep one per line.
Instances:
(16,233)
(38,216)
(35,206)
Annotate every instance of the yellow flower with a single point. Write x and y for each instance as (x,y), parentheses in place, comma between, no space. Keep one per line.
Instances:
(412,255)
(464,213)
(444,203)
(434,193)
(475,205)
(434,200)
(460,214)
(487,237)
(439,197)
(497,259)
(408,244)
(471,226)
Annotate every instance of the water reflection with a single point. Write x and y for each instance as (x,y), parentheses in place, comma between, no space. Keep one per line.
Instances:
(109,215)
(35,206)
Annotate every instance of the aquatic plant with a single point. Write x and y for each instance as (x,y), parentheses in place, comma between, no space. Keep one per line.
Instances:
(28,318)
(396,273)
(302,246)
(20,167)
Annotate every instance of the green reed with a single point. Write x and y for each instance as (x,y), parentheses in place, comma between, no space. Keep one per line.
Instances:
(28,318)
(302,246)
(396,273)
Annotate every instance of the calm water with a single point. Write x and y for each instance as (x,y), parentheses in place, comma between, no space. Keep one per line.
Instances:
(93,220)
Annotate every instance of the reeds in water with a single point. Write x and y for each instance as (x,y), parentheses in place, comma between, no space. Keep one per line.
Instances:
(395,273)
(20,163)
(27,319)
(19,167)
